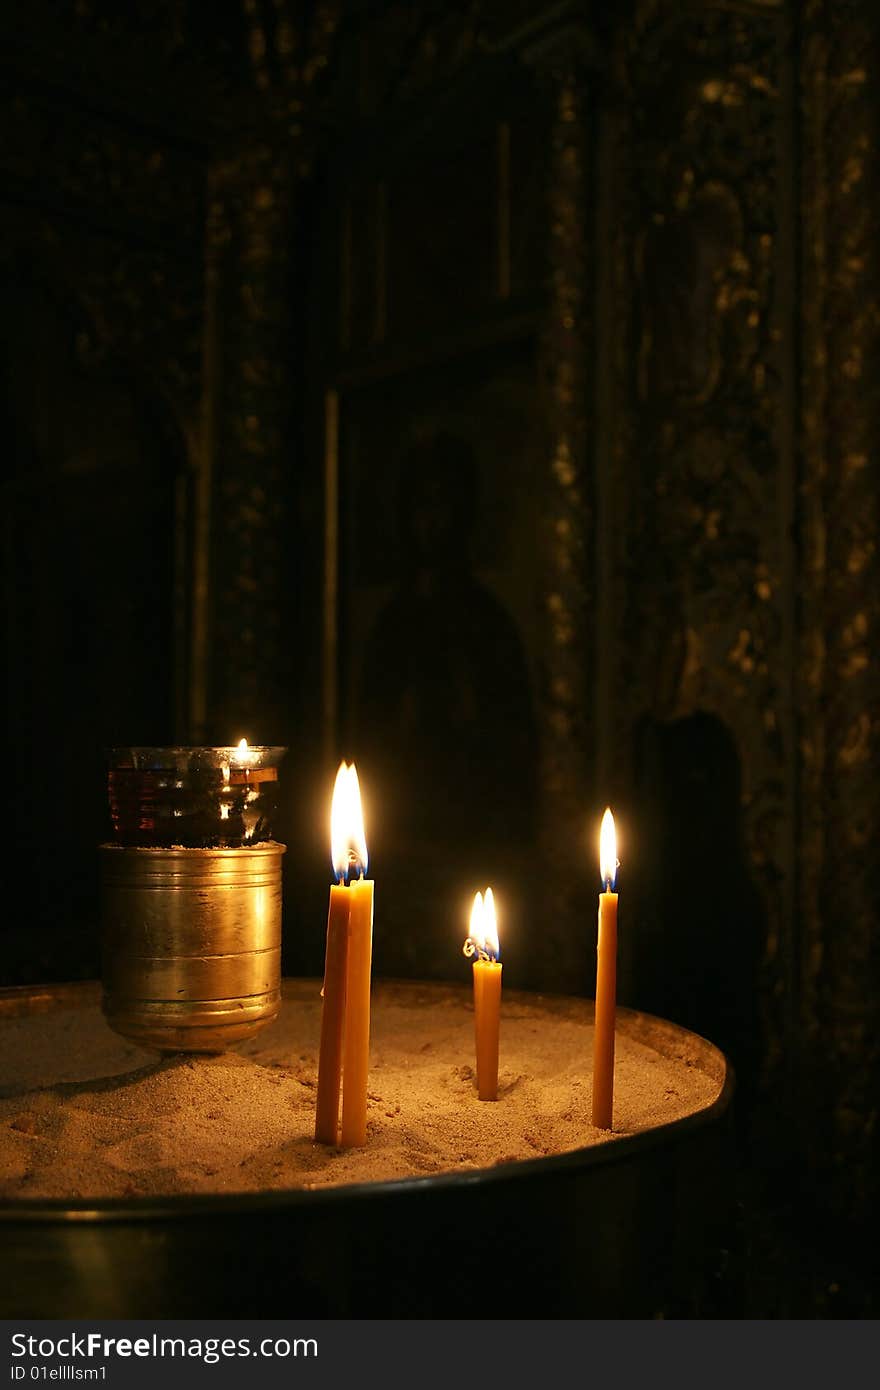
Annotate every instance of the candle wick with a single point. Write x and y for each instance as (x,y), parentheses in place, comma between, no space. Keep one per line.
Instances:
(354,869)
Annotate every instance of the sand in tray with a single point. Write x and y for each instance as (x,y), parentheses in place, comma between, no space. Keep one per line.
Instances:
(86,1114)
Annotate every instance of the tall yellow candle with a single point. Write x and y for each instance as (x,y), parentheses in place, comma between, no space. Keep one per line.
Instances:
(482,942)
(606,980)
(356,1046)
(332,1017)
(345,1018)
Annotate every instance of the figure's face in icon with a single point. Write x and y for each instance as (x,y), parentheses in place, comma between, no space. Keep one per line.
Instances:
(435,524)
(437,505)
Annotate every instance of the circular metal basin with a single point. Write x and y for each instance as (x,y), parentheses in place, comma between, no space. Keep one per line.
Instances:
(632,1228)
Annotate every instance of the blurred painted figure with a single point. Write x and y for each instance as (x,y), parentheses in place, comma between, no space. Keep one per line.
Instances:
(446,714)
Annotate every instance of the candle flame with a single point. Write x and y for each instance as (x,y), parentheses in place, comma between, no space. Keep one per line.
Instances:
(348,843)
(490,925)
(242,754)
(608,850)
(482,940)
(475,928)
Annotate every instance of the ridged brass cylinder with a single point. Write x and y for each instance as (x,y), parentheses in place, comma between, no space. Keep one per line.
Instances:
(191,943)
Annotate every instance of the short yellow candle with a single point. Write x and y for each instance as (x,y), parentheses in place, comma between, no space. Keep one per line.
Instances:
(606,980)
(482,942)
(345,1016)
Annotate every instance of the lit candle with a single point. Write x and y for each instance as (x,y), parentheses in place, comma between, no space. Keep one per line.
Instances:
(482,942)
(332,1017)
(345,1016)
(242,766)
(606,980)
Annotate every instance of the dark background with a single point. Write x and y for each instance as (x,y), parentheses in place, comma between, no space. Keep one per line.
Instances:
(487,393)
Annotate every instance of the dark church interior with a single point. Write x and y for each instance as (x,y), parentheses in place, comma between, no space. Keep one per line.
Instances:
(486,393)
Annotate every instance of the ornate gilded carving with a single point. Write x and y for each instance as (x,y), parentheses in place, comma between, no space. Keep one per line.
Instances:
(699,402)
(248,270)
(290,55)
(838,705)
(566,729)
(752,576)
(247,655)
